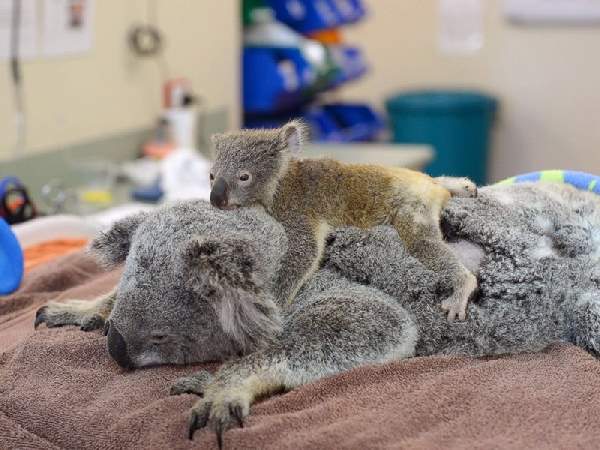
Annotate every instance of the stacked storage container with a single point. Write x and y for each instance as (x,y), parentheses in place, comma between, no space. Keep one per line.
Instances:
(292,53)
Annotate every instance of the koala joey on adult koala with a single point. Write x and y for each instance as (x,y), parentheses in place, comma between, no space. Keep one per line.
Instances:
(310,197)
(198,285)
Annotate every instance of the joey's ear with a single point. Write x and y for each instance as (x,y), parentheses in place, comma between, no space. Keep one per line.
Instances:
(292,136)
(111,247)
(225,273)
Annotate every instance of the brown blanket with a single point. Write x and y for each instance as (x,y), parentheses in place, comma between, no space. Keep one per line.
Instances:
(59,389)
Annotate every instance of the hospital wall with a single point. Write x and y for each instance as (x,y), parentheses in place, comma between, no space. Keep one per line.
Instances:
(109,90)
(548,79)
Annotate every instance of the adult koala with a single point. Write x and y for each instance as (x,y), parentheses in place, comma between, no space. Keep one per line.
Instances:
(197,286)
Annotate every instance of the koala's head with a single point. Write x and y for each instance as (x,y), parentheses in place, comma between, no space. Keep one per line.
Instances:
(196,284)
(249,164)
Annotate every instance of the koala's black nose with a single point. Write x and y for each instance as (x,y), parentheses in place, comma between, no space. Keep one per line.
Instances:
(117,348)
(219,195)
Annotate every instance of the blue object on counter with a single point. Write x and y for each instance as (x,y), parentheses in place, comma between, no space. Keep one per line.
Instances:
(150,194)
(11,260)
(23,209)
(344,122)
(456,123)
(307,16)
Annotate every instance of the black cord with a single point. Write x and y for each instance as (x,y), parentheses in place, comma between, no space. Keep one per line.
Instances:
(15,32)
(16,75)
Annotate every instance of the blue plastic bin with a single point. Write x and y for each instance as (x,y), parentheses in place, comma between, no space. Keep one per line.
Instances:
(306,16)
(265,89)
(456,124)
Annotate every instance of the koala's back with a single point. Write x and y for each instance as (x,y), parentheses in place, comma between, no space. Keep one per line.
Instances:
(361,195)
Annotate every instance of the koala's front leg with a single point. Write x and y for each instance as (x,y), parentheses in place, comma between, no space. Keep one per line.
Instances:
(234,388)
(306,242)
(88,314)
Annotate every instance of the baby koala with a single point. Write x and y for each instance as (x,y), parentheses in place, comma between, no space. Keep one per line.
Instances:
(309,197)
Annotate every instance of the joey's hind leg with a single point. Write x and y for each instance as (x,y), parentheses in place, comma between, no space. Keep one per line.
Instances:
(306,243)
(425,242)
(88,314)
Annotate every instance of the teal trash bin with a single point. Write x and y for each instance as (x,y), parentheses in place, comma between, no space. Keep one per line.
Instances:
(456,124)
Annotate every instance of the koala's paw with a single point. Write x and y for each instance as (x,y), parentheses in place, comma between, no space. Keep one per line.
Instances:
(75,312)
(455,306)
(226,409)
(192,384)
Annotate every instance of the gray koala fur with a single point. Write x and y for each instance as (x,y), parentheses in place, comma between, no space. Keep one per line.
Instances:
(197,285)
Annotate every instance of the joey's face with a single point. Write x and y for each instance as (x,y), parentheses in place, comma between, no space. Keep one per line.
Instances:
(249,163)
(245,168)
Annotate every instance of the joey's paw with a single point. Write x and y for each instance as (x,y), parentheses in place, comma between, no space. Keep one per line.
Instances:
(455,307)
(465,188)
(221,412)
(192,384)
(69,313)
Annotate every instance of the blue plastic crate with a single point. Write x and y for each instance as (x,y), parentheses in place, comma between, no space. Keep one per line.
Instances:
(308,16)
(350,61)
(274,78)
(345,122)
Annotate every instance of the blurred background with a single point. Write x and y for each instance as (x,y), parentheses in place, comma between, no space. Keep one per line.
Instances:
(106,107)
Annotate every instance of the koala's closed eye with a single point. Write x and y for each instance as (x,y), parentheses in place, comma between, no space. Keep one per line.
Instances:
(159,338)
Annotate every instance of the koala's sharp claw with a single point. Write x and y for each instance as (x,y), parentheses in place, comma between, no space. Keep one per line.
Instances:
(192,425)
(219,428)
(198,418)
(236,412)
(40,316)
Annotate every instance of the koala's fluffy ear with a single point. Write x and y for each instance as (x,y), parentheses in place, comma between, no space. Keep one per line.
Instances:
(215,139)
(111,247)
(225,272)
(292,136)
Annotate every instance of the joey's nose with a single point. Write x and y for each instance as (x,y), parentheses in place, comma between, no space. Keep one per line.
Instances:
(219,195)
(117,348)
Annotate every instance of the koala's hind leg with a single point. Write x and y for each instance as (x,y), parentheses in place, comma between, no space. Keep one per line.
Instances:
(306,243)
(584,321)
(311,348)
(458,187)
(88,314)
(423,238)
